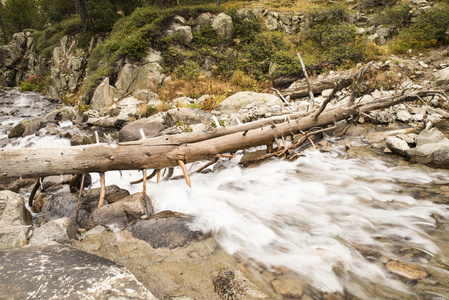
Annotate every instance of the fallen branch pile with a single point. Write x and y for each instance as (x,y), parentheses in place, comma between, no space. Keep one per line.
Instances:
(170,151)
(167,152)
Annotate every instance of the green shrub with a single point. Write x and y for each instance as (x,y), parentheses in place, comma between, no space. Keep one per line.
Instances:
(206,36)
(51,37)
(189,71)
(397,16)
(33,83)
(429,30)
(334,14)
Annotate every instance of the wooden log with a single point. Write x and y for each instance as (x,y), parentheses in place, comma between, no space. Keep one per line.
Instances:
(163,152)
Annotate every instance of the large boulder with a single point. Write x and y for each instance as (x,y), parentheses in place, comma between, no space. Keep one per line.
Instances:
(441,77)
(102,96)
(239,100)
(432,149)
(166,229)
(150,127)
(148,77)
(133,77)
(15,221)
(122,212)
(11,52)
(184,34)
(61,272)
(223,25)
(19,129)
(186,116)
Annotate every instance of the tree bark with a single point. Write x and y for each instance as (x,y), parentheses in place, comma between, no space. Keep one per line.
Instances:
(167,151)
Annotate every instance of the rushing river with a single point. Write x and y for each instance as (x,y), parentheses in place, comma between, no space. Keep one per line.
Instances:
(314,215)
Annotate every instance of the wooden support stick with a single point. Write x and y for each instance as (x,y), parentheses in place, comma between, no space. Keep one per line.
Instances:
(102,189)
(144,174)
(186,174)
(158,176)
(206,165)
(155,171)
(33,192)
(169,173)
(79,198)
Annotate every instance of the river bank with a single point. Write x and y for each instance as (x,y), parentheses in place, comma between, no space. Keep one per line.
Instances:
(351,219)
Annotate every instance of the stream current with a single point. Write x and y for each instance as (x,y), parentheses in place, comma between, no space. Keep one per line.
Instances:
(312,216)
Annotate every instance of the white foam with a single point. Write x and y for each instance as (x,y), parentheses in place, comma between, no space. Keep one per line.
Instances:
(306,215)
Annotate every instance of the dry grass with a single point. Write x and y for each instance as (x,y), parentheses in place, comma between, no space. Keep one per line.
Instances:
(280,5)
(218,89)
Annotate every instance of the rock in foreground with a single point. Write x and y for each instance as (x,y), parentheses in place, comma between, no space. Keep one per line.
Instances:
(60,272)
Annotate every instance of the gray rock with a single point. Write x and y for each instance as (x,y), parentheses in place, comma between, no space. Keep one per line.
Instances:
(61,231)
(150,126)
(65,204)
(102,96)
(223,25)
(204,18)
(146,77)
(126,77)
(61,272)
(13,210)
(15,221)
(431,136)
(239,100)
(441,77)
(184,34)
(403,116)
(417,117)
(80,139)
(271,23)
(186,116)
(34,126)
(432,149)
(166,229)
(122,212)
(19,129)
(397,145)
(230,284)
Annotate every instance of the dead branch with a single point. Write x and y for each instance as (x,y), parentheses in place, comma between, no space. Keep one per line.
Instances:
(357,82)
(102,189)
(309,84)
(79,198)
(148,177)
(185,172)
(166,151)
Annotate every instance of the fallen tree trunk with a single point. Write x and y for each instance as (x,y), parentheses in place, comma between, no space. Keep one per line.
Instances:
(167,151)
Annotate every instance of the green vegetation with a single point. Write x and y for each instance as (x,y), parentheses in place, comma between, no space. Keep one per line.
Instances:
(429,30)
(210,64)
(34,83)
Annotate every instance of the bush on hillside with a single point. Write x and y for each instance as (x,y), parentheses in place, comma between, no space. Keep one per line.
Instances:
(429,30)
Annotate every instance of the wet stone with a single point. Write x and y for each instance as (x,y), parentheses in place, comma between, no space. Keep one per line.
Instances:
(79,139)
(18,130)
(166,229)
(288,286)
(121,213)
(61,272)
(407,271)
(65,204)
(60,231)
(232,285)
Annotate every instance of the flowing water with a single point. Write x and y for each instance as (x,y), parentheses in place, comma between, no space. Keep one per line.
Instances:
(314,216)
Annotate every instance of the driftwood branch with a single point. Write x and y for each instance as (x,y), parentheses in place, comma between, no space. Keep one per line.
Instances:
(357,82)
(309,84)
(167,151)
